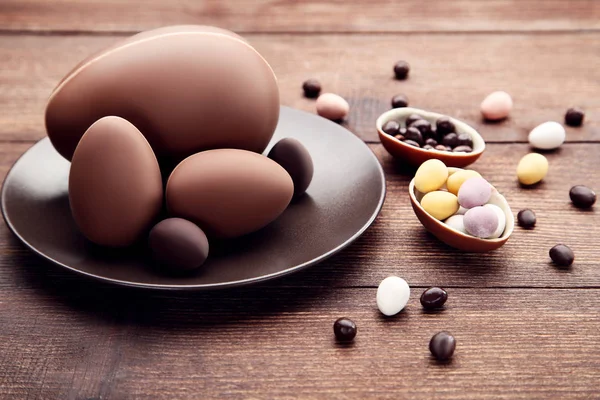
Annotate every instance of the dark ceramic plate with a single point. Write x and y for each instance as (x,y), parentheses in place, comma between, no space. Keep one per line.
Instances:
(345,196)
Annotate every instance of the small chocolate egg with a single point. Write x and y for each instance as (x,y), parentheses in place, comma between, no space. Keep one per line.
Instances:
(185,89)
(296,160)
(115,187)
(177,244)
(229,192)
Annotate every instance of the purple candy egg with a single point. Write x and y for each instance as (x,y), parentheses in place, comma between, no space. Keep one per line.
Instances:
(474,192)
(481,222)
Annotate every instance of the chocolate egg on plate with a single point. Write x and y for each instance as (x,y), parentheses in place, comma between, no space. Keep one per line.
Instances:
(187,89)
(178,245)
(228,192)
(296,160)
(115,187)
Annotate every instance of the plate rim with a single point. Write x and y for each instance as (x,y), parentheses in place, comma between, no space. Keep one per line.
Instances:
(206,286)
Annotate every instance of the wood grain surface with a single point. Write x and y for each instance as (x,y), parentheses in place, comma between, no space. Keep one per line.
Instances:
(301,16)
(444,77)
(525,329)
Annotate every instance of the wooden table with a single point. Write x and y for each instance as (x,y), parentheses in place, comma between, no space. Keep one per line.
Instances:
(525,329)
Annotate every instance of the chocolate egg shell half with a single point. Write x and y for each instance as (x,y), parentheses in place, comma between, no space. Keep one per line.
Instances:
(178,245)
(228,192)
(186,91)
(115,187)
(296,160)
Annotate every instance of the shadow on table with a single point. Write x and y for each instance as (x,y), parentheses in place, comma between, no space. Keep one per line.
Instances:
(172,309)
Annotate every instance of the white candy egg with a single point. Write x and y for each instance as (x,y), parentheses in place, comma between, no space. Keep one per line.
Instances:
(392,295)
(547,136)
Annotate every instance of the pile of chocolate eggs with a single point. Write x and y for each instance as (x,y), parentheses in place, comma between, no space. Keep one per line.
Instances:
(166,129)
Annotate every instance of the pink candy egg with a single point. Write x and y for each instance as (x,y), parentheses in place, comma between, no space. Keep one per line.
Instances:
(481,222)
(474,192)
(332,106)
(496,106)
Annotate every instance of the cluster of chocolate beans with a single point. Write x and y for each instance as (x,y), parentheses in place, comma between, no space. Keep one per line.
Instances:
(419,132)
(463,200)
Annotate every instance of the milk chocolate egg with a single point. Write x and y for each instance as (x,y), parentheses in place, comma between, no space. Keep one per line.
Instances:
(228,192)
(178,245)
(186,90)
(296,160)
(115,187)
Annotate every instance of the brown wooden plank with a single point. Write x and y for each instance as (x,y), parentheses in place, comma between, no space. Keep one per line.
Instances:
(302,16)
(359,67)
(398,244)
(80,341)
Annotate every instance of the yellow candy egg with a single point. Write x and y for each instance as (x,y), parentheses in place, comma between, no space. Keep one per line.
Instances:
(430,176)
(532,168)
(440,205)
(458,178)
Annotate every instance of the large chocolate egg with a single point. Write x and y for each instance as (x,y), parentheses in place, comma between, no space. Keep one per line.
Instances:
(115,187)
(187,89)
(229,192)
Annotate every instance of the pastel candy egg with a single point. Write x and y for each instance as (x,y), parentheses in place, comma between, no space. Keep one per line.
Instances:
(462,210)
(431,175)
(496,106)
(392,295)
(501,220)
(332,106)
(456,180)
(547,136)
(474,192)
(456,222)
(440,205)
(481,222)
(532,168)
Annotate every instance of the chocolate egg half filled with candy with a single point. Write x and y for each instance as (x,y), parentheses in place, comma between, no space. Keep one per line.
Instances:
(186,89)
(228,192)
(115,187)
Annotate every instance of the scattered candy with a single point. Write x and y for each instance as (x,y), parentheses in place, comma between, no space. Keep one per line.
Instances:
(344,329)
(481,222)
(444,126)
(439,204)
(496,106)
(401,70)
(474,192)
(574,117)
(414,134)
(332,106)
(442,346)
(501,221)
(412,118)
(562,255)
(392,128)
(532,168)
(399,101)
(433,298)
(311,88)
(526,218)
(431,175)
(456,180)
(457,222)
(547,136)
(582,196)
(392,295)
(424,127)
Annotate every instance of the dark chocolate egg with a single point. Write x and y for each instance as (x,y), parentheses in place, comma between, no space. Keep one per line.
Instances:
(228,192)
(115,187)
(296,160)
(185,89)
(177,244)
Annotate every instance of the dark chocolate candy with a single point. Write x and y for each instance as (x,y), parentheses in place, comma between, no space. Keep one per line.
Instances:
(296,160)
(178,244)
